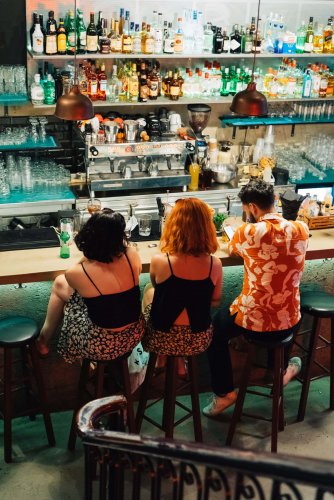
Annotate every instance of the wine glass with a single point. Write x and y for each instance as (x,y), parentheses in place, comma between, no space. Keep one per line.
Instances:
(93,205)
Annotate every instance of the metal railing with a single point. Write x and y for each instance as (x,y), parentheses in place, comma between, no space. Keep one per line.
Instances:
(123,466)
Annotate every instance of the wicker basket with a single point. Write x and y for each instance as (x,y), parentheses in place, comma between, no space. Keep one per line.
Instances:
(319,222)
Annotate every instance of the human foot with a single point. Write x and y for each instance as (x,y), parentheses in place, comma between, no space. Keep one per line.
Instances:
(219,404)
(292,370)
(42,346)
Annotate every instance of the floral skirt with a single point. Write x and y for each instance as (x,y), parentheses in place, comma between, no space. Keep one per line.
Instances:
(81,338)
(179,341)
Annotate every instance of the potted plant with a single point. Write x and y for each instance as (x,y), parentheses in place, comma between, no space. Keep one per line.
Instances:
(218,220)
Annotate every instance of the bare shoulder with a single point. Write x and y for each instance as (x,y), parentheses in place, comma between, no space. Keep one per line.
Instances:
(216,266)
(74,274)
(133,255)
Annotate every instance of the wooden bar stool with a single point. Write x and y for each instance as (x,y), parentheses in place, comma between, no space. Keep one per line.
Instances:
(319,305)
(21,332)
(277,413)
(99,375)
(168,424)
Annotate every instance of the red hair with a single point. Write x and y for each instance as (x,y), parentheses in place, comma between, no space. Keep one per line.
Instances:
(189,229)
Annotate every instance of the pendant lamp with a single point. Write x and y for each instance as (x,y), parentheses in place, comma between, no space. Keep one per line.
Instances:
(74,105)
(250,102)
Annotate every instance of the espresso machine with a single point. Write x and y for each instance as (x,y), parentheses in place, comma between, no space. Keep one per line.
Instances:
(198,116)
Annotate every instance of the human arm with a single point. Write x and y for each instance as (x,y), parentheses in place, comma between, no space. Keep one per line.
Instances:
(217,278)
(235,245)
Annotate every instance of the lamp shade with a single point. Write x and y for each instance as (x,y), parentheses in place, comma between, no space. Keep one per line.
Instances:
(74,106)
(250,102)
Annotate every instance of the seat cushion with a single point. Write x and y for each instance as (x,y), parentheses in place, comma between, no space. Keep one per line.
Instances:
(271,341)
(318,304)
(17,330)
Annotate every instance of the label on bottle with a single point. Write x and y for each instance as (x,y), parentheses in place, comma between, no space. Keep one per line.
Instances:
(137,45)
(37,43)
(307,88)
(61,42)
(144,90)
(248,46)
(154,89)
(174,90)
(50,94)
(169,46)
(234,45)
(92,43)
(149,45)
(133,88)
(323,83)
(93,87)
(227,86)
(116,45)
(103,85)
(51,44)
(158,41)
(37,94)
(127,44)
(308,47)
(71,39)
(178,43)
(82,39)
(53,28)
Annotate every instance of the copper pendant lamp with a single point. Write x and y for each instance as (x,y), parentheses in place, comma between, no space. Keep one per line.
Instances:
(74,105)
(250,102)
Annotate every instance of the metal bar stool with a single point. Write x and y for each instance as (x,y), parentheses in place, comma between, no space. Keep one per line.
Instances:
(319,305)
(277,413)
(99,375)
(168,424)
(21,332)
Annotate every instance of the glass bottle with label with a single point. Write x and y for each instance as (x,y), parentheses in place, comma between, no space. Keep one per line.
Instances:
(61,37)
(133,85)
(99,26)
(218,41)
(328,37)
(248,43)
(174,91)
(49,90)
(149,41)
(208,38)
(92,38)
(154,85)
(51,35)
(71,34)
(309,37)
(179,38)
(34,22)
(38,38)
(92,86)
(126,37)
(301,38)
(318,39)
(116,41)
(256,46)
(137,40)
(114,85)
(37,91)
(121,21)
(104,40)
(158,35)
(226,42)
(307,85)
(225,84)
(143,87)
(102,85)
(235,44)
(169,40)
(81,34)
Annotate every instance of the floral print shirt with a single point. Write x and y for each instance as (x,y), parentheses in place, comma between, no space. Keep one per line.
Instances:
(273,250)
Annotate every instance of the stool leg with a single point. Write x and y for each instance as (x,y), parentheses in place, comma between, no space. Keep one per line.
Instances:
(26,374)
(82,384)
(128,395)
(276,410)
(193,375)
(42,393)
(145,391)
(307,377)
(331,406)
(8,405)
(281,421)
(170,397)
(241,394)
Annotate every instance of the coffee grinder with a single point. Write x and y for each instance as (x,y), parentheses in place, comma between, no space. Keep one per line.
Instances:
(199,115)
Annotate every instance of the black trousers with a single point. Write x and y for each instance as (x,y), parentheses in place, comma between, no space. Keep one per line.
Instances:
(224,328)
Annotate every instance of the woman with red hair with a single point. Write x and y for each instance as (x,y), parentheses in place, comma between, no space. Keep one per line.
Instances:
(186,281)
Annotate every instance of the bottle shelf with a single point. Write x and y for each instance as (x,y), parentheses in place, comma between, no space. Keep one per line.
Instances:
(284,120)
(204,55)
(13,99)
(48,143)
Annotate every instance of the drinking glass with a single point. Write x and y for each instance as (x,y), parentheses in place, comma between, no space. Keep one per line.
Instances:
(93,205)
(145,224)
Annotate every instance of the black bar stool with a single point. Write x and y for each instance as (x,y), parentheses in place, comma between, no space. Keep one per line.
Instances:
(170,400)
(21,332)
(277,413)
(99,376)
(319,305)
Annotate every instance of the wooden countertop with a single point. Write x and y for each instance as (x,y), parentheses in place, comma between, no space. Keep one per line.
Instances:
(44,264)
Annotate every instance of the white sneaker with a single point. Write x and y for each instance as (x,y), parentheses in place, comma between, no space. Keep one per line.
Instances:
(219,404)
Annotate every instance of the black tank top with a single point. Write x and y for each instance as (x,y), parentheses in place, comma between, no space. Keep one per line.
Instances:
(114,310)
(175,294)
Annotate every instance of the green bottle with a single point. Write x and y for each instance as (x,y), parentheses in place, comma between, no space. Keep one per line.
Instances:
(71,34)
(49,90)
(81,33)
(64,247)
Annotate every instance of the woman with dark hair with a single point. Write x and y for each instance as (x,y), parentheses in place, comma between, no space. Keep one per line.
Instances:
(102,314)
(186,281)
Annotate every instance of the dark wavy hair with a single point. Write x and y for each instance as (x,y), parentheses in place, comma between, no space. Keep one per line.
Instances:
(259,192)
(102,237)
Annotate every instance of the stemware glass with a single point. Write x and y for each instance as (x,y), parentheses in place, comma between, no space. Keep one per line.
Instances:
(93,205)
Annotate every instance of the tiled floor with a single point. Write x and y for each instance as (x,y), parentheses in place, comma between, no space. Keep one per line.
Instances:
(55,473)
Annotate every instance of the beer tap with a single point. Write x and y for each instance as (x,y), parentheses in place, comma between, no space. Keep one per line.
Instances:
(112,165)
(140,163)
(169,162)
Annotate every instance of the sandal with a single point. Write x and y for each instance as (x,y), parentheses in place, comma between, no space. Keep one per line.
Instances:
(293,369)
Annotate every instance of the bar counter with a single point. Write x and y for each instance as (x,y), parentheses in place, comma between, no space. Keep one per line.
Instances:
(28,266)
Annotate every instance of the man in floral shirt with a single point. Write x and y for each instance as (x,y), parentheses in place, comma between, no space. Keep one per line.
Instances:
(273,250)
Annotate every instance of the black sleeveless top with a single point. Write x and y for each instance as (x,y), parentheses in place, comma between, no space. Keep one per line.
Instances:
(115,309)
(175,294)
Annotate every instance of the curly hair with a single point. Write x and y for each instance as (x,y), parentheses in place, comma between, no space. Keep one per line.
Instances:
(259,192)
(189,229)
(102,237)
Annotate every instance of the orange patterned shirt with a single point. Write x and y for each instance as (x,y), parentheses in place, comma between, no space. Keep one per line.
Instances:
(273,250)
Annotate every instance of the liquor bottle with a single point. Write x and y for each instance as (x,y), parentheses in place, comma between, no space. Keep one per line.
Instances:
(154,85)
(218,41)
(41,22)
(104,41)
(235,44)
(169,40)
(243,36)
(38,38)
(81,34)
(116,41)
(143,87)
(225,85)
(114,85)
(93,86)
(61,37)
(174,90)
(99,26)
(92,38)
(226,42)
(181,82)
(309,37)
(307,85)
(167,83)
(133,85)
(82,79)
(248,44)
(256,46)
(37,91)
(318,39)
(102,79)
(71,34)
(127,43)
(208,38)
(158,36)
(199,33)
(178,37)
(121,21)
(301,38)
(328,37)
(143,36)
(323,84)
(252,28)
(49,90)
(34,22)
(51,35)
(137,40)
(149,41)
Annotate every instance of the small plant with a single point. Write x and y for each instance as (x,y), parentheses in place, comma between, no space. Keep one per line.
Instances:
(218,220)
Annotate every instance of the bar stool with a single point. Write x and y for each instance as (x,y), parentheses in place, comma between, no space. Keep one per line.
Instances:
(21,332)
(277,412)
(170,400)
(99,375)
(319,305)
